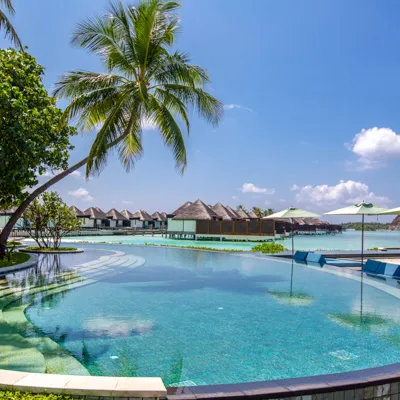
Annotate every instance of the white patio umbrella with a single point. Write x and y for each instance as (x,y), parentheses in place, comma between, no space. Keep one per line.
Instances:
(392,211)
(362,209)
(291,213)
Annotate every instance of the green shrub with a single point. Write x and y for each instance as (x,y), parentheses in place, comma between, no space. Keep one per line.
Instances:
(8,395)
(13,243)
(50,249)
(13,258)
(269,248)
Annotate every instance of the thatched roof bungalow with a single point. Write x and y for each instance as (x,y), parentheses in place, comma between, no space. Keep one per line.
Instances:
(243,214)
(77,211)
(234,213)
(116,218)
(197,211)
(223,212)
(94,217)
(252,215)
(141,219)
(127,214)
(182,207)
(160,219)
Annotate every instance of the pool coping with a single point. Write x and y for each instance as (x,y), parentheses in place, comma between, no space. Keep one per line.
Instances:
(76,385)
(76,251)
(285,388)
(33,260)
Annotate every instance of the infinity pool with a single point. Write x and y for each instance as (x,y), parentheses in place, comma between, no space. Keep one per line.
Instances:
(194,318)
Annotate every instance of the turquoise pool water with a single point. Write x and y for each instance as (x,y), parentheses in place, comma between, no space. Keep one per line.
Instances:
(198,318)
(349,240)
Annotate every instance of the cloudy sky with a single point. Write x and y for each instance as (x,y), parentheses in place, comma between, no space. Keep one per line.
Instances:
(312,112)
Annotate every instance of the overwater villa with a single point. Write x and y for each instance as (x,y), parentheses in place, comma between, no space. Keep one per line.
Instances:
(141,219)
(116,218)
(199,221)
(160,220)
(5,215)
(94,217)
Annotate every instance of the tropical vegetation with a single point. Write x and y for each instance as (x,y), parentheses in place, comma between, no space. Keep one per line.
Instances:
(257,210)
(369,226)
(49,220)
(13,258)
(33,137)
(6,6)
(269,248)
(146,82)
(11,395)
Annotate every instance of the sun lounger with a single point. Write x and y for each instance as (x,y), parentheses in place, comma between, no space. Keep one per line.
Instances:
(300,255)
(386,270)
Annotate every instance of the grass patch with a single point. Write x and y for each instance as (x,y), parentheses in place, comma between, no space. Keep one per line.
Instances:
(269,248)
(358,321)
(50,249)
(9,395)
(295,299)
(16,258)
(13,243)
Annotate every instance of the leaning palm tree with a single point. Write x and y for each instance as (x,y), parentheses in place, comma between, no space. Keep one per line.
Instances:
(5,23)
(146,82)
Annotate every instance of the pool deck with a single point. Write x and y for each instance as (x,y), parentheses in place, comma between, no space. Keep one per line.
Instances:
(350,254)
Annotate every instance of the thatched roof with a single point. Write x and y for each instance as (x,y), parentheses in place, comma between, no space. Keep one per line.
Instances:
(243,214)
(197,211)
(223,212)
(182,207)
(161,217)
(77,211)
(165,216)
(142,215)
(116,215)
(395,224)
(314,221)
(127,214)
(252,215)
(95,213)
(234,213)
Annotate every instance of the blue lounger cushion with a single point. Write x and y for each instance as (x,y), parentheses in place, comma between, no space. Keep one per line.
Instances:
(316,258)
(342,263)
(390,269)
(381,269)
(300,255)
(397,273)
(371,266)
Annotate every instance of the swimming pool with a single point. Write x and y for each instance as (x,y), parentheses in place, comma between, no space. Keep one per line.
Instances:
(192,317)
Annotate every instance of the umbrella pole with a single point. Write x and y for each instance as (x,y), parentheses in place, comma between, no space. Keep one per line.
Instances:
(292,238)
(362,264)
(291,279)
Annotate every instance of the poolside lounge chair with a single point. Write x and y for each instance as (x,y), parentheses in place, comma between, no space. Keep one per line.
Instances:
(381,269)
(316,258)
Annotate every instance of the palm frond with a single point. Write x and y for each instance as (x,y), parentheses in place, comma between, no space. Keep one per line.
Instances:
(205,104)
(8,5)
(169,130)
(10,32)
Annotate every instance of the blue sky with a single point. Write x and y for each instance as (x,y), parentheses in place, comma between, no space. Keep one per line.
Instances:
(300,81)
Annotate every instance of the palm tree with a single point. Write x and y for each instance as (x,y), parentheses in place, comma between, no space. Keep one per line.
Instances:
(269,211)
(258,211)
(241,207)
(6,24)
(145,82)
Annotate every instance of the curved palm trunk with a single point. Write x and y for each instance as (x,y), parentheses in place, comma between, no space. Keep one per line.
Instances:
(5,233)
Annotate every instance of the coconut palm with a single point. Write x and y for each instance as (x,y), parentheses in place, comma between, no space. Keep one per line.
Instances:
(258,211)
(5,22)
(146,82)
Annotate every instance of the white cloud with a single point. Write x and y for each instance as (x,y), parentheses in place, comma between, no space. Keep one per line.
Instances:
(294,188)
(127,202)
(54,172)
(148,125)
(234,197)
(251,188)
(344,193)
(374,146)
(236,106)
(81,194)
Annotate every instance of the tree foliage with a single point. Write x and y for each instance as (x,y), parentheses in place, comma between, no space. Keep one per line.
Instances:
(6,24)
(147,82)
(49,220)
(33,137)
